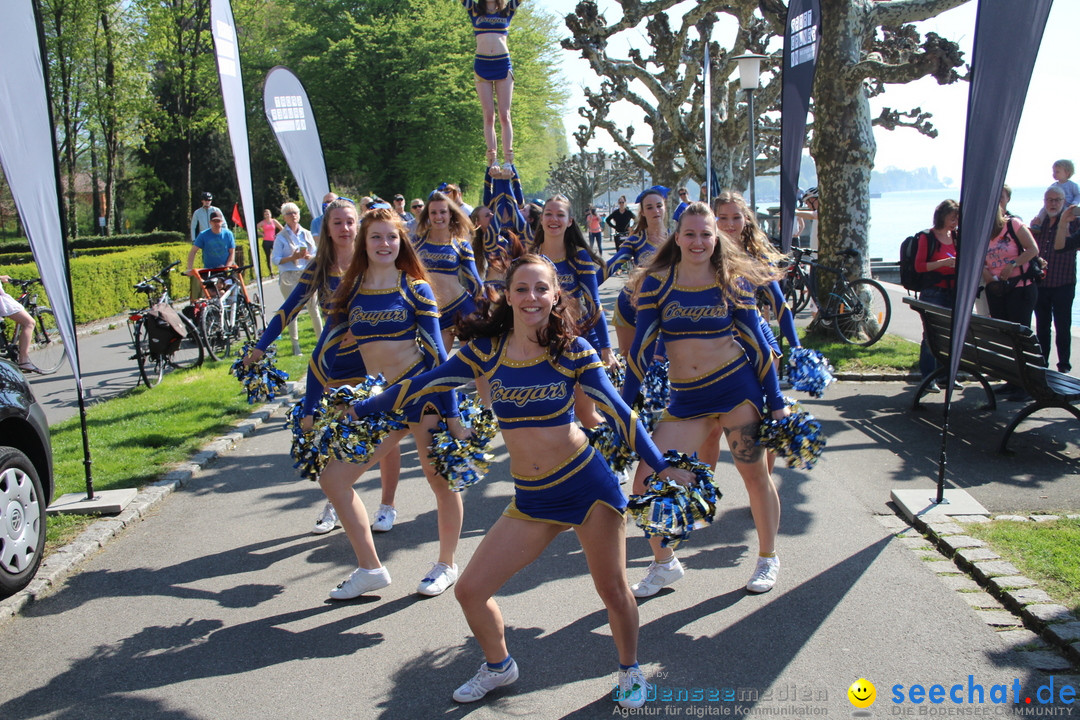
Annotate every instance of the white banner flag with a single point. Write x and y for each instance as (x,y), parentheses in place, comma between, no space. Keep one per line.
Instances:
(289,113)
(232,93)
(29,160)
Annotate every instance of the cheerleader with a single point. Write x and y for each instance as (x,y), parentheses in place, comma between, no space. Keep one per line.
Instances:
(389,310)
(442,242)
(526,348)
(335,245)
(698,296)
(636,251)
(493,72)
(580,272)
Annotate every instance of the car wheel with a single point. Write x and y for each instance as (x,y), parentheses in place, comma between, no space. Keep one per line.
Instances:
(22,521)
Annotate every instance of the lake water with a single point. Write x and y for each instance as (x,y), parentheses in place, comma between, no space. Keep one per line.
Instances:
(896,215)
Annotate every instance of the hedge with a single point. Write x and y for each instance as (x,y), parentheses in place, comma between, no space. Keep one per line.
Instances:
(158,237)
(102,284)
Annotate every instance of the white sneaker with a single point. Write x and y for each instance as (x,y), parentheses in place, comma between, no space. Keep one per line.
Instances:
(326,521)
(384,519)
(360,582)
(657,577)
(764,575)
(633,688)
(440,577)
(484,681)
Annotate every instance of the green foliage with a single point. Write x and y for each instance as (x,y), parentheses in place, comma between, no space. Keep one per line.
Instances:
(890,354)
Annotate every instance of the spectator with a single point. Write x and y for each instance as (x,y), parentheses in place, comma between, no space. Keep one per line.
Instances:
(936,253)
(13,310)
(200,219)
(399,208)
(596,230)
(1003,201)
(1010,295)
(316,223)
(217,244)
(1063,171)
(684,202)
(454,193)
(1054,297)
(269,227)
(620,221)
(417,207)
(294,249)
(813,203)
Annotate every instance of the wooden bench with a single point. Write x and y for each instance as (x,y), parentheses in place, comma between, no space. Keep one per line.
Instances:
(1000,350)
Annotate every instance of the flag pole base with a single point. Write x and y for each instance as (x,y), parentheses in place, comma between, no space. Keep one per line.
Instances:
(922,504)
(104,502)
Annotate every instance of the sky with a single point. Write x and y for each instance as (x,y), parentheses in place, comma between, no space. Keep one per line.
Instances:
(1051,112)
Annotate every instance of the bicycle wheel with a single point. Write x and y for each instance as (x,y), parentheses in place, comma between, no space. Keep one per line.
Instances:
(246,323)
(796,293)
(189,351)
(212,329)
(151,367)
(863,312)
(48,350)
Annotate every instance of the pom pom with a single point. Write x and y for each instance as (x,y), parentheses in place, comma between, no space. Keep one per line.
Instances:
(607,441)
(617,374)
(656,391)
(304,449)
(809,371)
(464,462)
(354,441)
(262,381)
(797,438)
(671,511)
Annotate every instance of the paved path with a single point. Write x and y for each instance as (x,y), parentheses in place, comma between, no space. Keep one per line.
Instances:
(214,605)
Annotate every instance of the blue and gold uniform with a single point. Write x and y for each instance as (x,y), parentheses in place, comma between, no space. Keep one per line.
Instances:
(407,311)
(773,296)
(492,67)
(672,312)
(504,198)
(634,252)
(538,393)
(579,277)
(454,258)
(294,305)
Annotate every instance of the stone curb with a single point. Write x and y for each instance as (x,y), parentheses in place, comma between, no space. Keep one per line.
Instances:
(63,562)
(1026,604)
(879,377)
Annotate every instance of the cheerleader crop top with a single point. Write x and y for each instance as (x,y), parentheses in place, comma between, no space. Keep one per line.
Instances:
(450,259)
(532,393)
(635,251)
(498,23)
(580,278)
(295,304)
(392,313)
(670,312)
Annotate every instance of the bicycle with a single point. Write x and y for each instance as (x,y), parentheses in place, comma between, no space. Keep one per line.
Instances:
(47,346)
(858,310)
(155,351)
(226,312)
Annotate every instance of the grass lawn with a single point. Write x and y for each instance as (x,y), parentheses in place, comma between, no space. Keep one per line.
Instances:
(1046,552)
(135,438)
(890,354)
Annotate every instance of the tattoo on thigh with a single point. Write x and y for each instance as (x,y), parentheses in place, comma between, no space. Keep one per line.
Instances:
(743,443)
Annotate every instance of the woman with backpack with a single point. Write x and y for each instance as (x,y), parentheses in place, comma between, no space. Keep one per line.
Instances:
(935,254)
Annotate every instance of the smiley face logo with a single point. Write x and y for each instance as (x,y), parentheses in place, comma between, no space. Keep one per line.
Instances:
(862,693)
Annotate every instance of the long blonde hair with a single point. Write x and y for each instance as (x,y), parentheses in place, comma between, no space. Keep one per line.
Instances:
(754,241)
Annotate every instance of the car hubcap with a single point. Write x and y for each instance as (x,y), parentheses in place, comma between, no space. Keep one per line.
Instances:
(18,524)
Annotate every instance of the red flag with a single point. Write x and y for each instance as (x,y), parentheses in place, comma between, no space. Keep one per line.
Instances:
(237,219)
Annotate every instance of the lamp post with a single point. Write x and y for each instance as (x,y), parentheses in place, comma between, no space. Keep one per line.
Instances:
(749,80)
(607,169)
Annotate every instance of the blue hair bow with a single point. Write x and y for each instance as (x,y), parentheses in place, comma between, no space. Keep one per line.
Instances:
(654,190)
(442,188)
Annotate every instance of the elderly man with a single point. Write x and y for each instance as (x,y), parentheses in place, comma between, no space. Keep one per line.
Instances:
(1058,247)
(316,223)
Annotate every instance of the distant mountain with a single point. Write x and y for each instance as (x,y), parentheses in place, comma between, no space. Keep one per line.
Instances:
(894,180)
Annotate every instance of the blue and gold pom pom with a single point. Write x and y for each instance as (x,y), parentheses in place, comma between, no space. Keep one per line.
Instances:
(305,447)
(611,446)
(464,462)
(809,371)
(671,511)
(354,441)
(617,374)
(797,438)
(656,391)
(261,380)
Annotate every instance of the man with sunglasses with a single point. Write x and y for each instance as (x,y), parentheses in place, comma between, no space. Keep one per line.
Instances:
(200,219)
(417,207)
(684,202)
(399,208)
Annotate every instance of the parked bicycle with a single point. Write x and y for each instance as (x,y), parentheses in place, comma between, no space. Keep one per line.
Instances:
(226,313)
(47,348)
(858,310)
(163,338)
